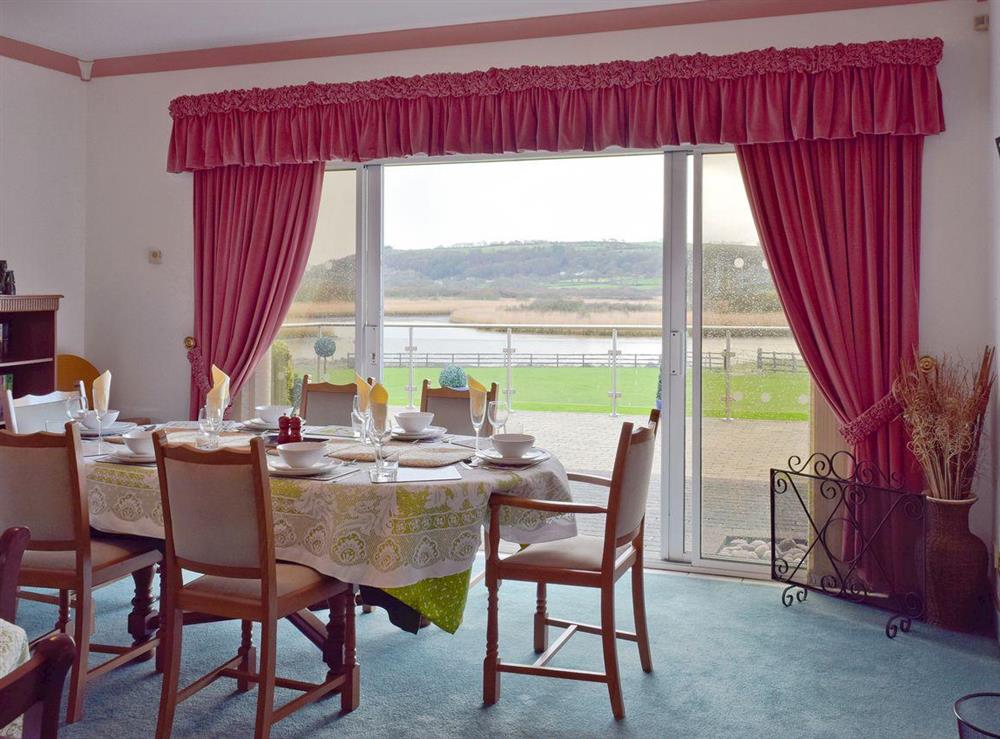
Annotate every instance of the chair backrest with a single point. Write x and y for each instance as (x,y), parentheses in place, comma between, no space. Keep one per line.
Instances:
(29,413)
(41,488)
(630,481)
(326,404)
(12,544)
(71,370)
(451,408)
(34,690)
(216,509)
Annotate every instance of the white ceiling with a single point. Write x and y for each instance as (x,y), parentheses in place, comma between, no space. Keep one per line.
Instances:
(96,29)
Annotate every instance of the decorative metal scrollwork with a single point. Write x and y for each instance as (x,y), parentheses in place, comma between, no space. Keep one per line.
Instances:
(793,593)
(842,526)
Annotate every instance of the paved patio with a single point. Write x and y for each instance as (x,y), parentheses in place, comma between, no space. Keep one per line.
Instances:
(736,457)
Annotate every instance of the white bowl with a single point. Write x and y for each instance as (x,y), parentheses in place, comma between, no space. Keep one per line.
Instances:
(413,422)
(302,454)
(270,414)
(513,446)
(93,421)
(139,442)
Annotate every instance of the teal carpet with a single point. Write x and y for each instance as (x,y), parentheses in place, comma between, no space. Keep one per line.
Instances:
(728,660)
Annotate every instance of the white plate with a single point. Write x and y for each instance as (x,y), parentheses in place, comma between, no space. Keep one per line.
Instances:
(127,456)
(259,424)
(431,432)
(119,427)
(280,469)
(492,456)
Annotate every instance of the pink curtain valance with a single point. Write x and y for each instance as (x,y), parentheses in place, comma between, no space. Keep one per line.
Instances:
(766,96)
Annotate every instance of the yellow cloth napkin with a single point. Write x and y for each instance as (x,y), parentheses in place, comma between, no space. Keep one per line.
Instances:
(380,406)
(218,396)
(363,392)
(102,391)
(477,398)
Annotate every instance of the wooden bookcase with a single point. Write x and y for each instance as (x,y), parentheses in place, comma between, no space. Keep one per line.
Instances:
(29,354)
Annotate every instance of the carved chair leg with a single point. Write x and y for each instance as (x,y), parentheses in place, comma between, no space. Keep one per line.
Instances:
(350,695)
(491,676)
(161,650)
(541,613)
(143,617)
(609,640)
(265,687)
(639,609)
(62,619)
(248,654)
(81,635)
(171,632)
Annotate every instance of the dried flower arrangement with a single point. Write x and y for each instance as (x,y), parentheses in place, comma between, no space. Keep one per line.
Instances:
(944,409)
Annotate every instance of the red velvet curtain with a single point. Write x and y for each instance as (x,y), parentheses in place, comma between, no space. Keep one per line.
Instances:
(840,225)
(253,228)
(769,95)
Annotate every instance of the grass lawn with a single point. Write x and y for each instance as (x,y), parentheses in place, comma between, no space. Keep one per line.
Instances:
(782,396)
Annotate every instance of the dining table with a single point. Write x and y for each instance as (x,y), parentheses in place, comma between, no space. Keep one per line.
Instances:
(13,653)
(409,546)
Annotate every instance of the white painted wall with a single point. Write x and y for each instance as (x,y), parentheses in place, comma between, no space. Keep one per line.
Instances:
(138,314)
(42,149)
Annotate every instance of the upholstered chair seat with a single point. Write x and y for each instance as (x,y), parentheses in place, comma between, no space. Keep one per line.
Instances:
(110,559)
(297,587)
(581,553)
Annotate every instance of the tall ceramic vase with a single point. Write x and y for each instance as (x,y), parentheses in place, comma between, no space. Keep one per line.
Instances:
(956,567)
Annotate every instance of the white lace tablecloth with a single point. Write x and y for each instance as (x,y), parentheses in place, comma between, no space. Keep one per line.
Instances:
(385,535)
(13,654)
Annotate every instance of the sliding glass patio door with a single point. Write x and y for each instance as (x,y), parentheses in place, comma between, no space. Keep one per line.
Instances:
(590,289)
(739,392)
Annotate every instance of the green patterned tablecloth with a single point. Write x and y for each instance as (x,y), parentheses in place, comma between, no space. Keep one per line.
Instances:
(417,541)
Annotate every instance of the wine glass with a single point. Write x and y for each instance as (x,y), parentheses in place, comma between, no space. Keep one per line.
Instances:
(498,413)
(477,414)
(359,421)
(380,430)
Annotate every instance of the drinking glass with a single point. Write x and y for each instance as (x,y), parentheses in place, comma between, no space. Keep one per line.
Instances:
(477,415)
(209,424)
(498,412)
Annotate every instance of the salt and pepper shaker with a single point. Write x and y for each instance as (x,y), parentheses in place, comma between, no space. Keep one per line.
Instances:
(284,424)
(294,429)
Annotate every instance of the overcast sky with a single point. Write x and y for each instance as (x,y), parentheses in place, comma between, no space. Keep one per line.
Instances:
(572,199)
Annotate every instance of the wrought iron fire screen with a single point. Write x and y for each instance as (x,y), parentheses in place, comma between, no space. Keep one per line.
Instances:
(847,530)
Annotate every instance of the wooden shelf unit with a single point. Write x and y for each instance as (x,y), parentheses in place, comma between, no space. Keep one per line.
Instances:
(30,353)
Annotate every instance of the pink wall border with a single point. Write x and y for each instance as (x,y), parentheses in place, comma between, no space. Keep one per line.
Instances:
(651,16)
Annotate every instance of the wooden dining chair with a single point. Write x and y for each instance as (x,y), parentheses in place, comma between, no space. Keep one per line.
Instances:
(588,561)
(30,413)
(218,521)
(13,542)
(42,488)
(451,408)
(71,370)
(326,404)
(34,690)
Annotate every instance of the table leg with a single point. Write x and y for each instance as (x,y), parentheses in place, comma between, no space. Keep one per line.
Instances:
(143,620)
(340,650)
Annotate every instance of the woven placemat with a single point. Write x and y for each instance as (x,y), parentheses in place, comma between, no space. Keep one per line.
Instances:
(408,455)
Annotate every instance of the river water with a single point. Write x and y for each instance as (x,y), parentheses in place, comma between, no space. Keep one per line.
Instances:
(450,338)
